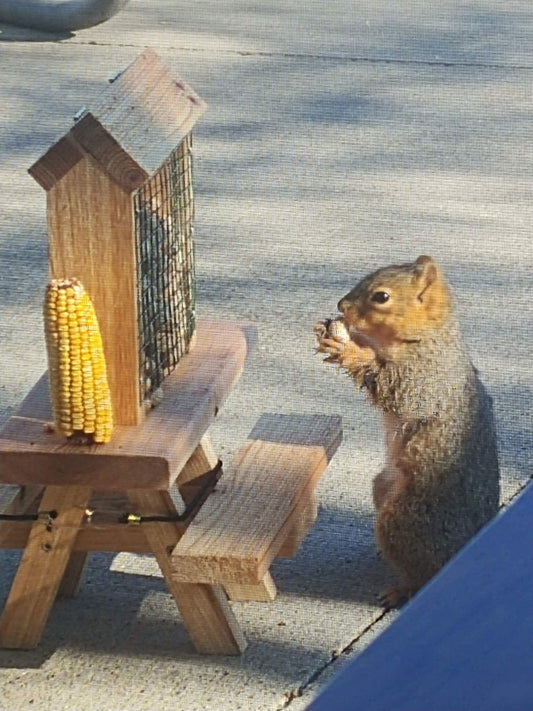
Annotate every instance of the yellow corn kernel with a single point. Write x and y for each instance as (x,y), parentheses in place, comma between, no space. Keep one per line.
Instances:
(81,401)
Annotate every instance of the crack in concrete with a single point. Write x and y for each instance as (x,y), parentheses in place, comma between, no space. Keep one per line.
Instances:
(297,693)
(515,494)
(319,57)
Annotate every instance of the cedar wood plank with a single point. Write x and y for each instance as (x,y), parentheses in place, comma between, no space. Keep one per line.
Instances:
(238,531)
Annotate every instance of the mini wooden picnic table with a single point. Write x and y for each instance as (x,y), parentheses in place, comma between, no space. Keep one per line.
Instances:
(154,489)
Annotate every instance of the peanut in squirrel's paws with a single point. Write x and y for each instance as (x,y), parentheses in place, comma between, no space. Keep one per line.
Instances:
(331,335)
(334,340)
(332,327)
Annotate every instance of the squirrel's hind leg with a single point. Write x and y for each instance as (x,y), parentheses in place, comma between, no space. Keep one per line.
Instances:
(405,544)
(394,597)
(386,486)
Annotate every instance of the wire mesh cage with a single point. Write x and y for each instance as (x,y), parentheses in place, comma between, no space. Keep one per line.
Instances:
(165,268)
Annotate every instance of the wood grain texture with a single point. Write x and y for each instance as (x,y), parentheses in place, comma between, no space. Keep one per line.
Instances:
(202,460)
(91,237)
(148,111)
(72,577)
(102,532)
(42,567)
(14,500)
(56,162)
(90,174)
(146,456)
(108,154)
(265,591)
(209,619)
(139,119)
(301,521)
(242,526)
(110,538)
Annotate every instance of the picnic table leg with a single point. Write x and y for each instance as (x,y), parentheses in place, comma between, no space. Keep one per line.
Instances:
(205,609)
(73,574)
(265,591)
(42,565)
(302,520)
(14,501)
(201,461)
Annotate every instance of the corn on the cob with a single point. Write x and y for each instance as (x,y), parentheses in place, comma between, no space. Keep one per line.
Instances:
(81,402)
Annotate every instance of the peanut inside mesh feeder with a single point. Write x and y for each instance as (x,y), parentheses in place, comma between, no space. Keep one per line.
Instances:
(120,210)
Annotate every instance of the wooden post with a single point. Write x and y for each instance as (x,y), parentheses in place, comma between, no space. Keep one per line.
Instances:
(71,580)
(265,591)
(201,461)
(90,224)
(42,566)
(205,610)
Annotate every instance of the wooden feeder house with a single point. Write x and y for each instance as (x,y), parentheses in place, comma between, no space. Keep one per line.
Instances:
(120,219)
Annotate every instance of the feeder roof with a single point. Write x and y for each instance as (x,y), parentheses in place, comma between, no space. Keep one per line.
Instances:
(138,121)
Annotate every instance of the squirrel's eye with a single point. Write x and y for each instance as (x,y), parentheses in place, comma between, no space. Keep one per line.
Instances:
(380,297)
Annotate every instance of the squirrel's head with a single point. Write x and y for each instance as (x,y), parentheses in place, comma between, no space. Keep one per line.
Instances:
(398,303)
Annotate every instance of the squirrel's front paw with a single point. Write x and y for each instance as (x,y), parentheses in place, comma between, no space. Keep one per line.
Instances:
(333,349)
(345,354)
(334,340)
(331,335)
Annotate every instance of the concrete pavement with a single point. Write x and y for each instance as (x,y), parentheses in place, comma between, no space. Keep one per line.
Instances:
(339,137)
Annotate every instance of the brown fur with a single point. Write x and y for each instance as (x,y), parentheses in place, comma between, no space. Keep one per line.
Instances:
(440,484)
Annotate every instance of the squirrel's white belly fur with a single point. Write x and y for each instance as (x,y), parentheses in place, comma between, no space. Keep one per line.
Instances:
(386,483)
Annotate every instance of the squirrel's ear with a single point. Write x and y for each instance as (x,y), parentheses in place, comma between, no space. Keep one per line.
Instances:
(426,270)
(426,274)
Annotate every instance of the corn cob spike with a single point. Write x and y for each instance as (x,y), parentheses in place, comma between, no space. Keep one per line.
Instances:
(81,401)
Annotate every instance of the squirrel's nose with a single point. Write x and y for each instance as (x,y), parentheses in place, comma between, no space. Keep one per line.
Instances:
(342,305)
